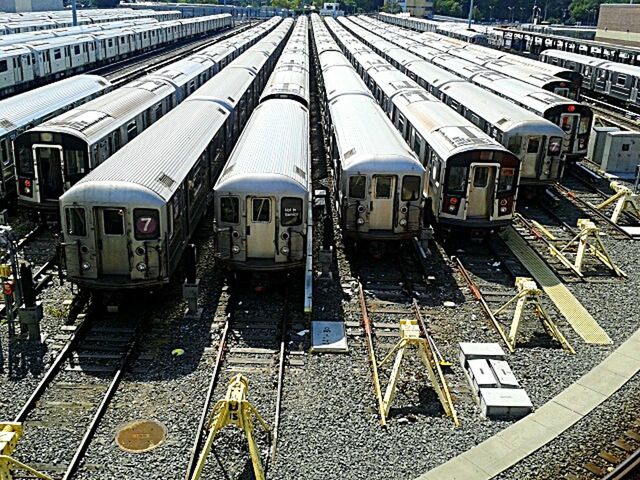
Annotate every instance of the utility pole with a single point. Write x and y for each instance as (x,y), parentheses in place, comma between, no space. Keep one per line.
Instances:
(74,13)
(470,15)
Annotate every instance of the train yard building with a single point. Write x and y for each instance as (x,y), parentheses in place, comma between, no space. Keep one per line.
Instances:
(619,23)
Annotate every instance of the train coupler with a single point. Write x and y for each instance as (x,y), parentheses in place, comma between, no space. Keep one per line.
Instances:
(236,410)
(10,433)
(410,338)
(625,202)
(529,295)
(587,241)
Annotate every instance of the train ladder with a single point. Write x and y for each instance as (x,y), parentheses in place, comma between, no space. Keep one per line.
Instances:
(626,202)
(10,433)
(588,242)
(410,337)
(234,410)
(530,294)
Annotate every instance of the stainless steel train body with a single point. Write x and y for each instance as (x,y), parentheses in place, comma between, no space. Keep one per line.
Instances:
(127,223)
(573,117)
(537,142)
(28,109)
(25,65)
(615,81)
(262,198)
(53,156)
(535,72)
(473,180)
(378,181)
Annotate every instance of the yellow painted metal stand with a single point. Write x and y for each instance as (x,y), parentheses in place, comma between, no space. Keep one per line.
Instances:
(9,434)
(410,337)
(626,202)
(234,410)
(588,242)
(529,294)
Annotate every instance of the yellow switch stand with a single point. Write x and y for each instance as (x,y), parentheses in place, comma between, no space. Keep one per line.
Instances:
(410,337)
(234,410)
(10,433)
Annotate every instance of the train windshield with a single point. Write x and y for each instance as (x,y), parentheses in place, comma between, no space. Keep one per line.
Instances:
(24,165)
(584,125)
(76,221)
(75,162)
(229,210)
(506,182)
(4,153)
(555,144)
(357,185)
(290,211)
(146,223)
(457,180)
(410,188)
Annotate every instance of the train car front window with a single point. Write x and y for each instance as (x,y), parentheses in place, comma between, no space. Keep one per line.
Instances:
(290,212)
(507,179)
(25,162)
(481,177)
(410,188)
(74,164)
(261,210)
(357,185)
(457,180)
(584,125)
(533,146)
(147,224)
(383,186)
(229,210)
(76,222)
(113,221)
(555,143)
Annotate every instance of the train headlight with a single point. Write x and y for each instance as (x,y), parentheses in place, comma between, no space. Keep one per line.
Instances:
(403,222)
(361,221)
(503,209)
(141,267)
(452,208)
(86,265)
(284,250)
(235,249)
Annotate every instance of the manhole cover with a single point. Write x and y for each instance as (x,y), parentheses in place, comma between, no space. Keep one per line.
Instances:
(141,436)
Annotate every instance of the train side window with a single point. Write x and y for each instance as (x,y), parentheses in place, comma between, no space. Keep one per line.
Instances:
(533,146)
(417,144)
(357,185)
(261,210)
(384,184)
(621,80)
(76,50)
(3,66)
(290,211)
(457,180)
(146,223)
(76,221)
(132,130)
(57,54)
(113,221)
(230,209)
(158,112)
(410,188)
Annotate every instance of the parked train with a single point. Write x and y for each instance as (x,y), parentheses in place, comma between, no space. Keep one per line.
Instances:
(614,81)
(53,156)
(28,109)
(378,180)
(486,52)
(573,117)
(262,199)
(537,142)
(24,65)
(127,223)
(473,180)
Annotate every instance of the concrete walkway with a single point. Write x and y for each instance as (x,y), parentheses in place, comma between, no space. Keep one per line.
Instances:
(524,437)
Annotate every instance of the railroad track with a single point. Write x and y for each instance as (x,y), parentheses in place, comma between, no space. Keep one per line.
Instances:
(614,115)
(129,69)
(255,332)
(74,394)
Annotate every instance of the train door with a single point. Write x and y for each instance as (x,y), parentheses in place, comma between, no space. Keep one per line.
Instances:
(532,155)
(113,249)
(569,123)
(261,228)
(481,190)
(382,202)
(49,168)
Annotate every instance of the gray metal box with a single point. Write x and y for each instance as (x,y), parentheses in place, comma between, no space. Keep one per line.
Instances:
(503,373)
(471,351)
(481,375)
(621,152)
(504,402)
(596,142)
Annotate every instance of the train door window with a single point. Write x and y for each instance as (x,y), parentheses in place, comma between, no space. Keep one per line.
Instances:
(110,42)
(261,210)
(457,180)
(290,211)
(410,188)
(357,186)
(401,123)
(76,50)
(76,221)
(621,80)
(158,111)
(507,179)
(230,209)
(113,221)
(481,177)
(625,147)
(123,39)
(132,130)
(384,183)
(3,66)
(146,223)
(57,54)
(534,145)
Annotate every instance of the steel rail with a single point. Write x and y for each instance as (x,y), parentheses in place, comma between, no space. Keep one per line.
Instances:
(628,469)
(281,358)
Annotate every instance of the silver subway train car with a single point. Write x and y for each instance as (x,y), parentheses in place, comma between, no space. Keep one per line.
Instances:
(379,182)
(127,223)
(262,198)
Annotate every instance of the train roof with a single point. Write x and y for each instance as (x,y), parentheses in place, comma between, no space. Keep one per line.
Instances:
(283,152)
(182,71)
(22,109)
(575,57)
(93,120)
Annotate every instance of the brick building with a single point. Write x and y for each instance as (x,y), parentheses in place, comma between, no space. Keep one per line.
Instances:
(619,23)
